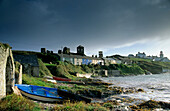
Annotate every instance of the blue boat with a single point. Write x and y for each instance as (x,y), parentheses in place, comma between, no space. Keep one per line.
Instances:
(40,93)
(49,94)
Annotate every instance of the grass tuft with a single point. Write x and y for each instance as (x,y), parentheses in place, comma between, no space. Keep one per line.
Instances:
(17,103)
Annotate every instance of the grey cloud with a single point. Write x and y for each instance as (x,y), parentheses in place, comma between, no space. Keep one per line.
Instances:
(94,23)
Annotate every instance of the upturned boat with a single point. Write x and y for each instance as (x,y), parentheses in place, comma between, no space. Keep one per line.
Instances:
(61,79)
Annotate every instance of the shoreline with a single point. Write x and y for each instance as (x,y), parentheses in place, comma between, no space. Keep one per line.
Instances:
(130,101)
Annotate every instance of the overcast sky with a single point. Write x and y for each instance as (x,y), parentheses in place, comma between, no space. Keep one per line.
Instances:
(114,26)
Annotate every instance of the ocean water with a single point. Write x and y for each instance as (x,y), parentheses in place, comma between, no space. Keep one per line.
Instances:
(156,87)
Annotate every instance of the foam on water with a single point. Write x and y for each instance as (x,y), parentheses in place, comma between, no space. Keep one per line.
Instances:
(157,86)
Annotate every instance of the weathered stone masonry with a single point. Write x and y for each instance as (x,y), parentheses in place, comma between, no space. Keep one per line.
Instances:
(7,71)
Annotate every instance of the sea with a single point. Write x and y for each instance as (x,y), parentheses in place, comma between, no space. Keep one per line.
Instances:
(156,86)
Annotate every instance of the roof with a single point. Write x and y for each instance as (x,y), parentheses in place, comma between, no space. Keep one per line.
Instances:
(80,46)
(27,59)
(78,56)
(108,58)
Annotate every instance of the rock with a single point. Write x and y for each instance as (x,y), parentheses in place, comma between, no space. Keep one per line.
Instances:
(119,101)
(140,90)
(121,108)
(16,91)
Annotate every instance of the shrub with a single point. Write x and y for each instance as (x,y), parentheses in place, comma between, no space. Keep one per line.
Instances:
(17,103)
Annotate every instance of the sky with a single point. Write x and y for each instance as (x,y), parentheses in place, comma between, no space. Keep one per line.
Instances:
(113,26)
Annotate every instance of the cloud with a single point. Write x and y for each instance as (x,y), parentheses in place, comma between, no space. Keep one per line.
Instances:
(97,25)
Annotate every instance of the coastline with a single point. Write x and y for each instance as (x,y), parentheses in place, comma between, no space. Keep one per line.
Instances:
(133,102)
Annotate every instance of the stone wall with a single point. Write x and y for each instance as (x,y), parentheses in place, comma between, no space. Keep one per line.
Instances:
(7,71)
(108,73)
(113,73)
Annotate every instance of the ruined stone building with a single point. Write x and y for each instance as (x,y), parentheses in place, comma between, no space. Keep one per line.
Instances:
(29,63)
(7,70)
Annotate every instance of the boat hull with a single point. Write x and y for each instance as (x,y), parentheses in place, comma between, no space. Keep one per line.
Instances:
(39,93)
(39,98)
(61,79)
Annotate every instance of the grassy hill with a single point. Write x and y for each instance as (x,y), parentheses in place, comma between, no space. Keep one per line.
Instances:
(154,67)
(66,69)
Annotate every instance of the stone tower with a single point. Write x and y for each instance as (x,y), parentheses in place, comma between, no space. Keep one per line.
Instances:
(66,50)
(80,50)
(161,54)
(100,54)
(43,50)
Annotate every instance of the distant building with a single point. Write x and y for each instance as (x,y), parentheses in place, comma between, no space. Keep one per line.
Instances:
(161,54)
(141,55)
(149,57)
(48,52)
(78,58)
(126,61)
(100,54)
(161,58)
(131,55)
(30,64)
(165,59)
(117,58)
(43,50)
(80,50)
(108,61)
(66,50)
(117,61)
(153,58)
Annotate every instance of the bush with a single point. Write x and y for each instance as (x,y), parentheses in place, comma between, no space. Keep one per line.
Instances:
(87,69)
(17,103)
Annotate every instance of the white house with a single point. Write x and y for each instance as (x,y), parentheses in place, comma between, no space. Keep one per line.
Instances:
(141,55)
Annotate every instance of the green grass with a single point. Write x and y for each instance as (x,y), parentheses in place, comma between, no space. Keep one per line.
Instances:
(27,79)
(47,64)
(81,89)
(154,67)
(17,103)
(128,70)
(5,46)
(140,59)
(43,70)
(65,69)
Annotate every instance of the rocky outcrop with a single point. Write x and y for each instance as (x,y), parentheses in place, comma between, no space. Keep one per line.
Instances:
(7,70)
(18,73)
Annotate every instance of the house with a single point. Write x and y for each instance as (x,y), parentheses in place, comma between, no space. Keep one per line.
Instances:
(131,55)
(117,58)
(29,63)
(141,55)
(108,61)
(149,57)
(126,61)
(161,58)
(165,59)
